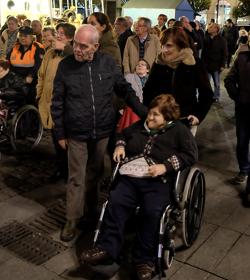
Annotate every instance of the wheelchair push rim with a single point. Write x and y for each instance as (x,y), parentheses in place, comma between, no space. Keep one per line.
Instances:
(194,197)
(26,129)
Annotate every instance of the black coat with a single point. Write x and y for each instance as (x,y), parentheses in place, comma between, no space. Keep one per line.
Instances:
(13,86)
(214,53)
(122,39)
(174,140)
(237,81)
(82,105)
(182,83)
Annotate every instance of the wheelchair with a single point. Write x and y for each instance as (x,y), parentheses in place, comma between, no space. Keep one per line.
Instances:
(20,124)
(181,220)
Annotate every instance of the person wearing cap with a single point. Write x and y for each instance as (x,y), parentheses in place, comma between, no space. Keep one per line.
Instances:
(26,57)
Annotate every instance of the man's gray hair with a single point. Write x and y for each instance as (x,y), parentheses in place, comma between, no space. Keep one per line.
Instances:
(147,22)
(90,29)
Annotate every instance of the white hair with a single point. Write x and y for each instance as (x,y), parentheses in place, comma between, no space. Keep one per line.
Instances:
(88,28)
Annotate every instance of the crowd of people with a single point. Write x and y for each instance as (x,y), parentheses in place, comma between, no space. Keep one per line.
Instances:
(135,79)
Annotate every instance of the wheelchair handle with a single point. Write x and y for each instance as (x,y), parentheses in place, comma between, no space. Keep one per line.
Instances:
(116,169)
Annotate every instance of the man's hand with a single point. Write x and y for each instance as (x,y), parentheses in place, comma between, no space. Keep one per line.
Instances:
(119,154)
(193,120)
(28,79)
(157,170)
(63,143)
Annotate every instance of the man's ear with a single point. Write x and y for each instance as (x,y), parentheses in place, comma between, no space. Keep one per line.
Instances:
(96,46)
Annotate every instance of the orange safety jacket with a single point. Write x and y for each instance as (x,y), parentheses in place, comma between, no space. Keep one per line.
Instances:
(24,59)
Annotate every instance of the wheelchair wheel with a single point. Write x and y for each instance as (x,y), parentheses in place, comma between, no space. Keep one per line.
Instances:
(194,199)
(26,129)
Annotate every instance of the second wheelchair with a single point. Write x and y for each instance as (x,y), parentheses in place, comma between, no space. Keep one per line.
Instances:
(20,124)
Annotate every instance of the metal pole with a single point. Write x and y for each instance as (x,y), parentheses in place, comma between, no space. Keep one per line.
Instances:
(50,10)
(86,8)
(60,7)
(76,6)
(102,5)
(91,6)
(217,16)
(67,4)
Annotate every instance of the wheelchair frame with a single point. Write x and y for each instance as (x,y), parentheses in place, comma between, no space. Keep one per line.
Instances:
(182,218)
(24,129)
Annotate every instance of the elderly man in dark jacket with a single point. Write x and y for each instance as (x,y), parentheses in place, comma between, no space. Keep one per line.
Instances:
(214,55)
(84,118)
(237,84)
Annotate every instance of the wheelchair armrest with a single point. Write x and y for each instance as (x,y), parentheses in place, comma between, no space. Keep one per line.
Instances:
(181,177)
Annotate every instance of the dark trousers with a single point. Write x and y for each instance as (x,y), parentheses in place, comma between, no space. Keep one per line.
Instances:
(242,117)
(152,195)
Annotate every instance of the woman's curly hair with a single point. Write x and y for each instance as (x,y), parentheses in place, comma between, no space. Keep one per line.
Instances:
(167,106)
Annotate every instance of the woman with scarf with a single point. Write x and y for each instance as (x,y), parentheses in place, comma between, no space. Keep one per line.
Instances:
(176,71)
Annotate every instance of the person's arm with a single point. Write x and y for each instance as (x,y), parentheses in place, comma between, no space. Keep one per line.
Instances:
(231,81)
(187,154)
(149,92)
(57,107)
(205,96)
(224,52)
(125,62)
(41,75)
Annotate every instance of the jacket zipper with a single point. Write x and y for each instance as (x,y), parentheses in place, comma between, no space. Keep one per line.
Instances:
(93,100)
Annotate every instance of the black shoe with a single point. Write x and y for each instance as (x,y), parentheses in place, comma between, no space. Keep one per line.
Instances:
(245,199)
(94,256)
(69,231)
(57,176)
(144,271)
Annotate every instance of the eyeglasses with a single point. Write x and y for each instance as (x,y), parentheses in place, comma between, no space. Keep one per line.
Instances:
(83,46)
(60,34)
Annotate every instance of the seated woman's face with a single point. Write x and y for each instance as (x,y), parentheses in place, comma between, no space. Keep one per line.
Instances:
(170,50)
(141,68)
(155,119)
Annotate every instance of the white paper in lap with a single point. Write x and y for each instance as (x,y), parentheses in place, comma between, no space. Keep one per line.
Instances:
(135,168)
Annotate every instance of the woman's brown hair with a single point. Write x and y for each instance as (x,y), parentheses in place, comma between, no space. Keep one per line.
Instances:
(178,36)
(167,106)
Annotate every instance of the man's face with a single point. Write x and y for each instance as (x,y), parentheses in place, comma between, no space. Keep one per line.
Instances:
(12,25)
(84,47)
(161,21)
(141,28)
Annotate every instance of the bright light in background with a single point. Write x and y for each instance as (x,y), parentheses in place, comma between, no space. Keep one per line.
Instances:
(34,9)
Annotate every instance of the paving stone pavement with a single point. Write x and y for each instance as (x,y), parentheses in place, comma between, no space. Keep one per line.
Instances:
(222,250)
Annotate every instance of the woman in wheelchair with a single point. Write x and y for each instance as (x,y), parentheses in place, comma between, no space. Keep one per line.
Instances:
(151,152)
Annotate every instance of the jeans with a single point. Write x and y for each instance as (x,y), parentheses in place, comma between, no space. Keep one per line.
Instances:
(215,76)
(152,195)
(86,162)
(242,117)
